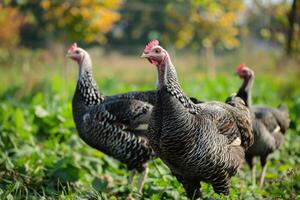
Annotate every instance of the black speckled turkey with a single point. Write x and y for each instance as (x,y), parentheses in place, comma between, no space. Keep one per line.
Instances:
(269,125)
(112,124)
(198,142)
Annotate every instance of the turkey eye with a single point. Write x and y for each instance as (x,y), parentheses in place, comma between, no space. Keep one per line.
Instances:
(157,51)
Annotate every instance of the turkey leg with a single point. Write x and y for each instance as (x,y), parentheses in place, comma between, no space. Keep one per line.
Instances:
(131,177)
(264,170)
(142,180)
(253,171)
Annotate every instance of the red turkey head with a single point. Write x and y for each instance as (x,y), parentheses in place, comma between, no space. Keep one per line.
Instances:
(154,53)
(243,71)
(75,53)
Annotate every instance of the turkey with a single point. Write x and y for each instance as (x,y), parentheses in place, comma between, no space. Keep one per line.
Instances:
(198,142)
(112,124)
(269,125)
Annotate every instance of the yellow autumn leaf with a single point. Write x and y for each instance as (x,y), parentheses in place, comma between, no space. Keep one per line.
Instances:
(45,4)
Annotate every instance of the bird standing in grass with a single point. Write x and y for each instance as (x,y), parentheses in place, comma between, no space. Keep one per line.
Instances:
(269,125)
(198,142)
(115,125)
(111,124)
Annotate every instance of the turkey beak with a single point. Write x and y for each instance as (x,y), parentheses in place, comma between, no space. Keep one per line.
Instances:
(145,55)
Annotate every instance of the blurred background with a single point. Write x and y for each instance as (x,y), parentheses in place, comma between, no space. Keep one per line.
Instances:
(207,40)
(208,35)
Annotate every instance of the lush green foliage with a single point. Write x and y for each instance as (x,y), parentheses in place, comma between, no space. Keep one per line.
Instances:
(41,155)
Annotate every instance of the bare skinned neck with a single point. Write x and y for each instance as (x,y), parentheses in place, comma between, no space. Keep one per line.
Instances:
(245,90)
(166,72)
(85,66)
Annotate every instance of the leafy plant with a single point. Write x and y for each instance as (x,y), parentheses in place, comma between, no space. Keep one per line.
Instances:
(42,157)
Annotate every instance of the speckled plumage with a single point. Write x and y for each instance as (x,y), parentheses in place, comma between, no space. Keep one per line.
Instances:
(112,124)
(101,127)
(89,90)
(103,122)
(115,125)
(194,140)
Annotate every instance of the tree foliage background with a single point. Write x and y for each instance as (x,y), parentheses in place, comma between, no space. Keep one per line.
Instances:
(190,24)
(42,21)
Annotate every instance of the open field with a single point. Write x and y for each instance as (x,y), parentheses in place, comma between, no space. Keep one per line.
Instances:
(42,157)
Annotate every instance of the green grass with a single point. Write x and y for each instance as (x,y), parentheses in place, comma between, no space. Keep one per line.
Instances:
(42,157)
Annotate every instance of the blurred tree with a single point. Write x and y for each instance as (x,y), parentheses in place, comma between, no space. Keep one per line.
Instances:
(186,23)
(141,21)
(10,23)
(9,36)
(293,35)
(83,20)
(205,23)
(277,22)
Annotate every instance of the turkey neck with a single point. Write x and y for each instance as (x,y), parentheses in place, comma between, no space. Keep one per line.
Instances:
(168,82)
(86,93)
(87,86)
(245,90)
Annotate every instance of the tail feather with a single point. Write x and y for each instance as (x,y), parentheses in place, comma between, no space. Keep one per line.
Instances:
(282,117)
(243,120)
